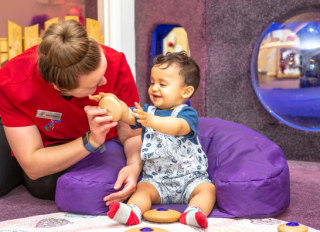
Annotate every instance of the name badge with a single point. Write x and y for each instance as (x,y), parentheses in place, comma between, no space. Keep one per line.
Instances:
(48,115)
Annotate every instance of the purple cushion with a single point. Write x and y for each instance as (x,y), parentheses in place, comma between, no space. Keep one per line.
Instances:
(249,171)
(82,188)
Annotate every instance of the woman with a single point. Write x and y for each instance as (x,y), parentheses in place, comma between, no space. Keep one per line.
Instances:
(48,120)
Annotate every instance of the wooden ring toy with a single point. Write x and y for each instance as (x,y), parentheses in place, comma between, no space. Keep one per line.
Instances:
(162,215)
(146,229)
(292,227)
(112,106)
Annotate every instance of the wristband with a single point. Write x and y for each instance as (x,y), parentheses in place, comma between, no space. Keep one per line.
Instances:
(88,146)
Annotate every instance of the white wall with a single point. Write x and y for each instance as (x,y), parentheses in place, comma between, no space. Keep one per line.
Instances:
(117,25)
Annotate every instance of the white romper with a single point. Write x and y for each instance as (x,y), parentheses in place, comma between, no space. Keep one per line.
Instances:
(174,165)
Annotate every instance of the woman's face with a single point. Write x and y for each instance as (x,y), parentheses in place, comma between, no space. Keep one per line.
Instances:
(88,83)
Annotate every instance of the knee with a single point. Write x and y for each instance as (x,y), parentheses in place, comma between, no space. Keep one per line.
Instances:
(211,188)
(44,188)
(41,191)
(10,174)
(208,188)
(148,190)
(6,187)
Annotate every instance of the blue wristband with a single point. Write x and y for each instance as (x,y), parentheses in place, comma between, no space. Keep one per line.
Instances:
(88,146)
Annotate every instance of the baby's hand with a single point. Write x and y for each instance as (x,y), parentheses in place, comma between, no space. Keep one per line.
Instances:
(143,117)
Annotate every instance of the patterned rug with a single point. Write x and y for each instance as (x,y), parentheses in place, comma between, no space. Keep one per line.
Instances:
(66,222)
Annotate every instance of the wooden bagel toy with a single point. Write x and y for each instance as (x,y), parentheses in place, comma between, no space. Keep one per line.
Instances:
(112,106)
(146,229)
(292,227)
(162,215)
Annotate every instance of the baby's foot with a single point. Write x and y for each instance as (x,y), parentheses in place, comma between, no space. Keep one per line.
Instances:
(194,216)
(125,214)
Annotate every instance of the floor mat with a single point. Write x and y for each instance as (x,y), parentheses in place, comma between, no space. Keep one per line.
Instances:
(66,222)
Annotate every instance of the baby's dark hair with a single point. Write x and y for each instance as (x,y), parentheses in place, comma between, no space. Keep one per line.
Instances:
(189,69)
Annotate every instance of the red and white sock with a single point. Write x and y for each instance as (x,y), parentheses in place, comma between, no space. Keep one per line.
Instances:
(194,216)
(125,214)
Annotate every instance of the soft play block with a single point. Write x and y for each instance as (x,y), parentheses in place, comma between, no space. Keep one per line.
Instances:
(249,171)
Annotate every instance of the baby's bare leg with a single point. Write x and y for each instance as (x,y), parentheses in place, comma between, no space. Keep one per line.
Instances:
(200,205)
(145,195)
(204,196)
(141,201)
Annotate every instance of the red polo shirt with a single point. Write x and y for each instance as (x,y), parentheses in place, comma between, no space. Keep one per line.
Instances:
(23,92)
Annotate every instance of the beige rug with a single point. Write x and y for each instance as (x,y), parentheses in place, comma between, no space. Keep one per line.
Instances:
(66,222)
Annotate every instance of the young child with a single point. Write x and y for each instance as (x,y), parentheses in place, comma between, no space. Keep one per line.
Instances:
(174,164)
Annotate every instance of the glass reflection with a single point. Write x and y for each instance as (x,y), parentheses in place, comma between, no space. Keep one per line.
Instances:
(286,72)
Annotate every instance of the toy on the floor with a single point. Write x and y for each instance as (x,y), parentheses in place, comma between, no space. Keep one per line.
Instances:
(146,229)
(110,104)
(292,227)
(162,215)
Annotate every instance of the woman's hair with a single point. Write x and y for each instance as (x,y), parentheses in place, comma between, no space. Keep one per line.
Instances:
(65,53)
(189,70)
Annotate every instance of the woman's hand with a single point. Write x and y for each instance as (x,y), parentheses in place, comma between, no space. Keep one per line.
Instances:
(99,124)
(127,178)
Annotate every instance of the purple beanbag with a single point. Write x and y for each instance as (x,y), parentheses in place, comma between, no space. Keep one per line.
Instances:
(82,188)
(249,171)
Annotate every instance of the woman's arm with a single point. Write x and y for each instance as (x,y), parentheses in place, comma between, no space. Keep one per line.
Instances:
(131,141)
(38,161)
(127,177)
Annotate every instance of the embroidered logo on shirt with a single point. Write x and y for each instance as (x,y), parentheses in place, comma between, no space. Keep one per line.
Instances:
(54,124)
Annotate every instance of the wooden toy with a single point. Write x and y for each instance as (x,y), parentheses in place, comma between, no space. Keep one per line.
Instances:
(162,215)
(110,104)
(292,227)
(146,229)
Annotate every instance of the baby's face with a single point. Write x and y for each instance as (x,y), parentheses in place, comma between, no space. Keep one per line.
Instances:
(166,87)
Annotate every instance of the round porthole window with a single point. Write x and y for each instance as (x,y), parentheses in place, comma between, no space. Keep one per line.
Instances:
(285,70)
